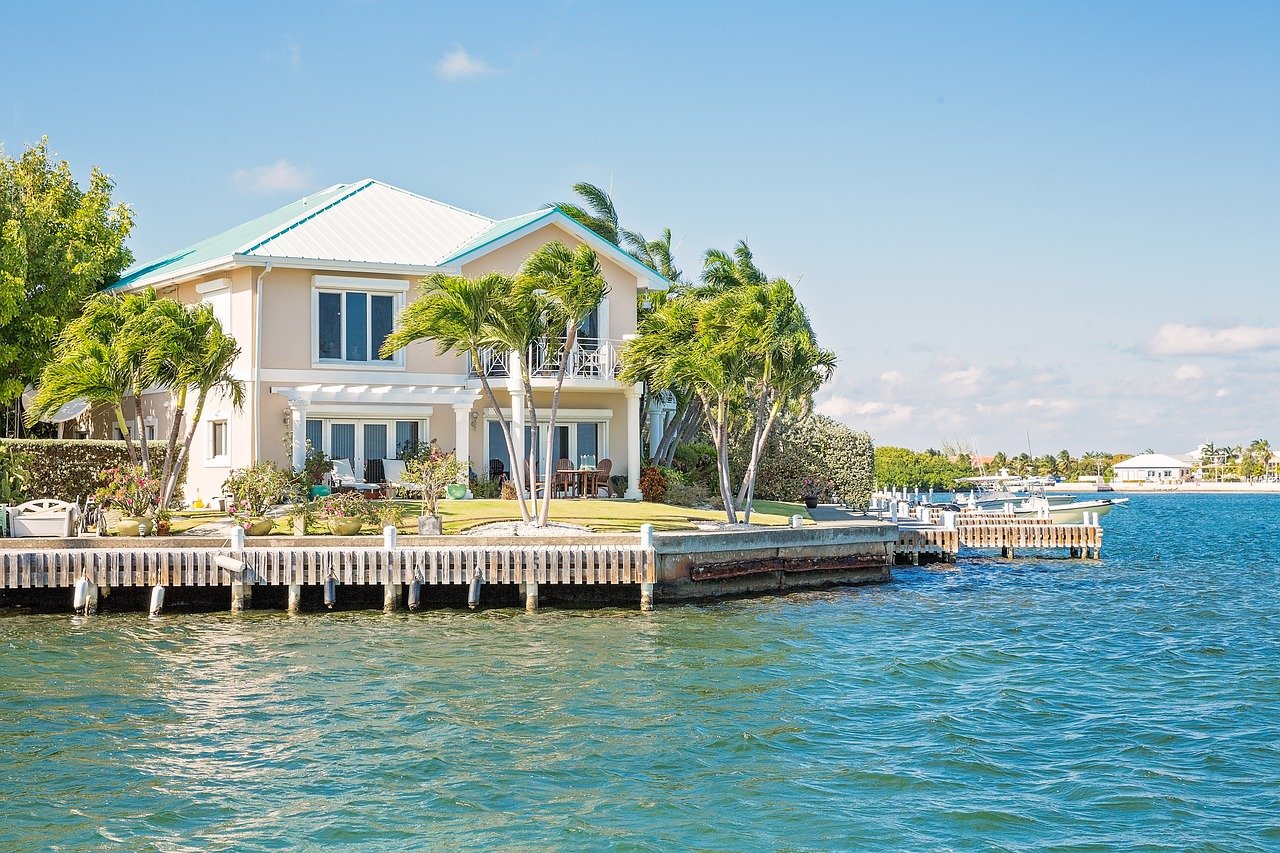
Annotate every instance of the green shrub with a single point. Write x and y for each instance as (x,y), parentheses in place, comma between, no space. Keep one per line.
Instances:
(697,460)
(618,485)
(815,447)
(66,469)
(485,489)
(685,493)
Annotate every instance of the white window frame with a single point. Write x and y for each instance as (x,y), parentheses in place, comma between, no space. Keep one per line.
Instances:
(222,460)
(396,288)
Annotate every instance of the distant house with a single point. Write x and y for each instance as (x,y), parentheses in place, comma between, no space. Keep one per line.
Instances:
(1153,468)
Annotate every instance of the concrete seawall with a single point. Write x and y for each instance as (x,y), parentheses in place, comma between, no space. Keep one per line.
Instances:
(742,562)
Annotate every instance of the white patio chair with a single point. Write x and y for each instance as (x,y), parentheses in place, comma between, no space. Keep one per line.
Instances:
(393,470)
(345,478)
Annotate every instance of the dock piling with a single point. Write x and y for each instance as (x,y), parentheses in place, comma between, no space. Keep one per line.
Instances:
(295,598)
(531,597)
(157,600)
(390,597)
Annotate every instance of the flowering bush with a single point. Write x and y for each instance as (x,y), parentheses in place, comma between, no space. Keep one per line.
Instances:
(128,489)
(431,469)
(256,489)
(653,483)
(343,506)
(813,488)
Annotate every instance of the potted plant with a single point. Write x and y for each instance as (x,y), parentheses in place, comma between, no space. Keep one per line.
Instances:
(812,488)
(163,521)
(129,490)
(432,470)
(254,490)
(315,467)
(344,514)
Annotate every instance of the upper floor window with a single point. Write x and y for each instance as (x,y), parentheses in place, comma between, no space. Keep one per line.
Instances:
(351,322)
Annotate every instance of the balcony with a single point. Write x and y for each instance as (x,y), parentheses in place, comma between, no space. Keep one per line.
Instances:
(590,358)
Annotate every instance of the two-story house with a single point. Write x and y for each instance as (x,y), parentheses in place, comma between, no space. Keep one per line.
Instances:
(310,290)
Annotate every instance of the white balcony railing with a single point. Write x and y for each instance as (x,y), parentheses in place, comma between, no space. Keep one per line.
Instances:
(590,358)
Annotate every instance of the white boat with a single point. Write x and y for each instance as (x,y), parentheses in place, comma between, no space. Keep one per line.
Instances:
(1071,512)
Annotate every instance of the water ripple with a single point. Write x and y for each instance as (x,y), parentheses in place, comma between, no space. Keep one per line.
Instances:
(1066,705)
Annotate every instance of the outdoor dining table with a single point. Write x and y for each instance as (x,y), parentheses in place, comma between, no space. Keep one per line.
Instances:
(582,480)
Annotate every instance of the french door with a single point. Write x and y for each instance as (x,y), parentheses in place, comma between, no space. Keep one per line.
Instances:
(362,441)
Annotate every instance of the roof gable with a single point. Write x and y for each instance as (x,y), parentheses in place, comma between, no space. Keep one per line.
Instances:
(509,230)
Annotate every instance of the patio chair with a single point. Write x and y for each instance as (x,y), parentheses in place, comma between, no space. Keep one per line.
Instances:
(600,479)
(497,471)
(564,483)
(344,477)
(393,470)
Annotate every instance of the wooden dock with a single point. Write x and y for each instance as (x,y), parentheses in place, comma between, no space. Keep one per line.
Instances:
(927,534)
(276,566)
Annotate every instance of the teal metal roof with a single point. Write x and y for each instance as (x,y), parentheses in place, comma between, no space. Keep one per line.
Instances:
(243,236)
(497,231)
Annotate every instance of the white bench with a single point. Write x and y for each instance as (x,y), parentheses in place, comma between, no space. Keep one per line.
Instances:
(44,518)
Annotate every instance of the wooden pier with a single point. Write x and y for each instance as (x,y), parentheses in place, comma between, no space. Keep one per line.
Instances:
(927,534)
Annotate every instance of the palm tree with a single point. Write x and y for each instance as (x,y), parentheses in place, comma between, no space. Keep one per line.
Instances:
(198,356)
(99,356)
(457,314)
(598,213)
(572,287)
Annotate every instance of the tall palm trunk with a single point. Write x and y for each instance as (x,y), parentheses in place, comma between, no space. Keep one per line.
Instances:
(143,451)
(717,423)
(171,480)
(517,479)
(570,336)
(175,428)
(123,426)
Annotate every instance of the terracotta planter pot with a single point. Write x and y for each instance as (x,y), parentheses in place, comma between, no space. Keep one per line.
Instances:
(344,526)
(259,527)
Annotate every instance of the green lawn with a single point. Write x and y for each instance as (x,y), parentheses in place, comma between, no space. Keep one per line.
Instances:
(602,516)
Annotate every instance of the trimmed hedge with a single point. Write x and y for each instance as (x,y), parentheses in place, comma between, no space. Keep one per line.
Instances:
(67,469)
(818,447)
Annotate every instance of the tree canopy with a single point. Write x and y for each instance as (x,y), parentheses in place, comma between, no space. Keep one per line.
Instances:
(59,244)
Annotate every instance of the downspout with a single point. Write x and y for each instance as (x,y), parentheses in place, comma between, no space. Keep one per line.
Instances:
(257,369)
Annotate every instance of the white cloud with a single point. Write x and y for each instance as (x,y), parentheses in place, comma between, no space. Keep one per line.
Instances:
(457,64)
(1188,373)
(280,176)
(969,376)
(893,377)
(1221,392)
(1177,339)
(855,413)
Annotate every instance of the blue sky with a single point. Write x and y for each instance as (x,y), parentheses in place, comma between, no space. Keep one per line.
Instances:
(1006,218)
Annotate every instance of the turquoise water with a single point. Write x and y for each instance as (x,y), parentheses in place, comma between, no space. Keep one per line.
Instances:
(1127,704)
